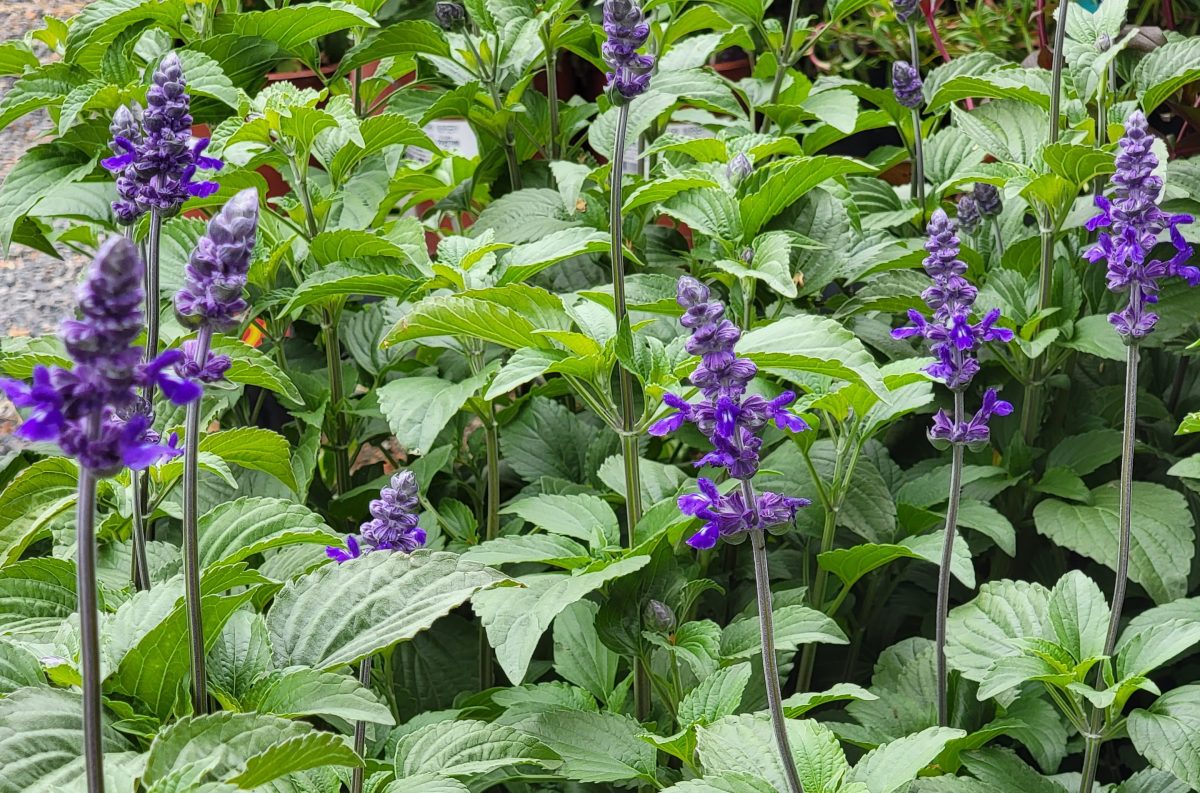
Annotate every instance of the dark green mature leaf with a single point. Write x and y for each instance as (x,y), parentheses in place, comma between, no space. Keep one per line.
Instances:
(44,87)
(595,747)
(468,748)
(407,37)
(245,749)
(515,619)
(418,408)
(41,732)
(1163,540)
(549,549)
(1168,733)
(339,281)
(36,496)
(340,614)
(232,531)
(101,22)
(343,245)
(807,343)
(579,655)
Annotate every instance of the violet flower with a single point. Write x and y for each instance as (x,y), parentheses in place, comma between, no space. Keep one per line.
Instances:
(906,9)
(156,167)
(730,419)
(907,85)
(626,29)
(393,525)
(969,214)
(1135,222)
(450,15)
(987,198)
(90,409)
(953,338)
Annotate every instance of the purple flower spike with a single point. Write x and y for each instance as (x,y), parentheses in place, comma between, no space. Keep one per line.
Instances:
(215,276)
(393,525)
(156,158)
(730,419)
(92,411)
(906,9)
(906,84)
(953,338)
(626,29)
(1135,223)
(987,198)
(969,213)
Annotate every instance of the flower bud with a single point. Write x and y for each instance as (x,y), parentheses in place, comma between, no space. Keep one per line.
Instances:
(658,617)
(738,169)
(450,15)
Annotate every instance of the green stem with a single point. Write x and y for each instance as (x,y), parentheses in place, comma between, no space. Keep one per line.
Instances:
(917,187)
(360,729)
(783,59)
(1091,761)
(333,361)
(89,629)
(552,92)
(139,481)
(491,440)
(808,655)
(762,586)
(1056,70)
(943,591)
(140,572)
(998,235)
(191,549)
(1029,406)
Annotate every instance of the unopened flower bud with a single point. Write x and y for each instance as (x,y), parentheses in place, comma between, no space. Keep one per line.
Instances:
(738,169)
(658,617)
(450,15)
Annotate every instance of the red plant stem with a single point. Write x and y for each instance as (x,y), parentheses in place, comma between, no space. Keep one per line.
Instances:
(927,10)
(1042,34)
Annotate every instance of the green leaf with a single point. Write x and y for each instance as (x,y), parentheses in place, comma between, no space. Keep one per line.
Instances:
(584,517)
(245,749)
(546,548)
(36,596)
(724,783)
(240,655)
(797,705)
(16,57)
(34,498)
(1087,452)
(235,530)
(659,190)
(251,367)
(378,133)
(595,747)
(398,39)
(44,87)
(708,211)
(506,315)
(1140,652)
(99,23)
(794,626)
(717,696)
(425,783)
(205,77)
(343,245)
(522,366)
(468,748)
(340,614)
(516,619)
(982,630)
(1078,164)
(41,171)
(341,281)
(781,186)
(18,668)
(254,448)
(1030,86)
(1165,70)
(293,27)
(1079,615)
(1163,540)
(771,263)
(524,261)
(300,691)
(745,744)
(41,732)
(818,345)
(1168,733)
(579,655)
(419,408)
(892,766)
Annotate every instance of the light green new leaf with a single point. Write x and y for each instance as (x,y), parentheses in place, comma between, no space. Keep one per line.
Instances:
(249,366)
(1163,541)
(468,748)
(717,696)
(892,766)
(299,691)
(343,245)
(255,448)
(340,614)
(818,345)
(523,366)
(798,704)
(1165,70)
(515,619)
(291,27)
(744,744)
(584,517)
(794,625)
(417,409)
(525,261)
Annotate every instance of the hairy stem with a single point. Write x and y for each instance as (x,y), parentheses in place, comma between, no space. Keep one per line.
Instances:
(89,629)
(762,586)
(943,592)
(629,445)
(1056,70)
(191,549)
(552,91)
(139,481)
(360,729)
(783,58)
(140,566)
(339,441)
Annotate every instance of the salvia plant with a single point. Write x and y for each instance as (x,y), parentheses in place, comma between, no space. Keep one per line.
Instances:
(689,396)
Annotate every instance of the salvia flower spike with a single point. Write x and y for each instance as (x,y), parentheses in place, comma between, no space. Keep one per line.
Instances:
(906,9)
(87,410)
(393,525)
(1132,223)
(907,84)
(626,30)
(955,341)
(156,166)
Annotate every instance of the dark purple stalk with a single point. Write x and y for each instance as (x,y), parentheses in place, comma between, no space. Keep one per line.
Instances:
(943,593)
(89,632)
(191,550)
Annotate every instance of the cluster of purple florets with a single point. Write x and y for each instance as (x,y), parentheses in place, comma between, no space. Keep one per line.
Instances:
(155,157)
(92,410)
(1134,222)
(626,29)
(953,338)
(983,202)
(393,525)
(907,85)
(730,418)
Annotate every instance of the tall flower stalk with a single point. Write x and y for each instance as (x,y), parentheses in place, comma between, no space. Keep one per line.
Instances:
(907,85)
(393,527)
(954,341)
(1132,223)
(626,30)
(731,419)
(89,411)
(155,160)
(210,300)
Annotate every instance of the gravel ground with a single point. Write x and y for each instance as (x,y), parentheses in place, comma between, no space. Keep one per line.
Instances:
(35,289)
